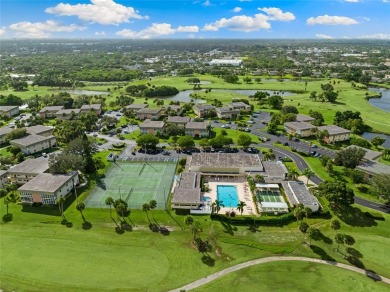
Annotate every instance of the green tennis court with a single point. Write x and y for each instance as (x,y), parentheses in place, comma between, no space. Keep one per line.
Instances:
(137,183)
(269,196)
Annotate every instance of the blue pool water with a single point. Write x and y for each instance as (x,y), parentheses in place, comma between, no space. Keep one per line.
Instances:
(228,196)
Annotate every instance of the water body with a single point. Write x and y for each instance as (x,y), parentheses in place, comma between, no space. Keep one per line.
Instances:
(85,92)
(369,136)
(184,96)
(383,102)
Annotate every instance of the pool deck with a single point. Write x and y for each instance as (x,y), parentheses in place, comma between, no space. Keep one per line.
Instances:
(244,194)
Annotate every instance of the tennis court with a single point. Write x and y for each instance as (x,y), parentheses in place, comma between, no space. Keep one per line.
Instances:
(269,196)
(136,183)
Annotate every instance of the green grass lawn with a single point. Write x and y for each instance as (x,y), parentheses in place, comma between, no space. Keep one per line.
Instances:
(40,254)
(293,276)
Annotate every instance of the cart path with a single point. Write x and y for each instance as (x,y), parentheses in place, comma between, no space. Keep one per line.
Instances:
(227,271)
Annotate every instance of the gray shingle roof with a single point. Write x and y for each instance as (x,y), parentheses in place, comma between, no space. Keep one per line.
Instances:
(197,125)
(37,129)
(373,167)
(230,160)
(302,193)
(178,119)
(52,108)
(152,124)
(33,166)
(46,182)
(5,130)
(334,130)
(303,118)
(30,140)
(299,125)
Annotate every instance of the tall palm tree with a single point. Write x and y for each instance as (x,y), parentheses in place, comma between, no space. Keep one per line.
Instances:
(7,201)
(152,205)
(80,207)
(217,205)
(308,173)
(110,202)
(240,207)
(60,202)
(146,208)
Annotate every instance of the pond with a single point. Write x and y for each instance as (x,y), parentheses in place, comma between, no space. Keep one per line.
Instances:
(384,102)
(184,96)
(85,92)
(369,136)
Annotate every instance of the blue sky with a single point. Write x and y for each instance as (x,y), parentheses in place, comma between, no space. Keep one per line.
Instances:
(145,19)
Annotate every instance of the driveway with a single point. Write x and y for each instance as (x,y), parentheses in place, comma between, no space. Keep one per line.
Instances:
(244,265)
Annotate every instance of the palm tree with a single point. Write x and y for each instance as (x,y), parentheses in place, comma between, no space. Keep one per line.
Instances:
(110,202)
(152,205)
(80,207)
(60,202)
(7,201)
(189,220)
(308,173)
(217,205)
(146,208)
(298,212)
(293,174)
(240,207)
(307,211)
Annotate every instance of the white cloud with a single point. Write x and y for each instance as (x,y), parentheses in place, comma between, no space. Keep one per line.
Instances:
(190,28)
(100,33)
(100,11)
(277,14)
(250,23)
(352,1)
(245,0)
(240,23)
(377,36)
(331,20)
(323,36)
(207,3)
(27,29)
(2,31)
(156,30)
(237,9)
(386,1)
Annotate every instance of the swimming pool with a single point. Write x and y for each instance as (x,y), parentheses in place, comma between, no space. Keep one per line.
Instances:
(228,196)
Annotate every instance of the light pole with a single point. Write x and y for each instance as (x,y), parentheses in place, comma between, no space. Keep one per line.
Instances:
(165,200)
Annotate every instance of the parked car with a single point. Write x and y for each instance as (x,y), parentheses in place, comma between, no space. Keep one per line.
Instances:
(285,144)
(312,153)
(314,146)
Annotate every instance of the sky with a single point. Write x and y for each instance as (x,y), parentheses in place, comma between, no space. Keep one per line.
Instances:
(207,19)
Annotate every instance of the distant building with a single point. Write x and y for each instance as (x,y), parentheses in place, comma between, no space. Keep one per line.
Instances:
(241,106)
(303,118)
(177,109)
(136,107)
(202,110)
(46,188)
(26,170)
(50,111)
(301,128)
(9,111)
(336,134)
(151,127)
(40,130)
(149,113)
(34,143)
(68,114)
(369,155)
(298,193)
(3,133)
(227,113)
(224,163)
(226,62)
(187,193)
(371,168)
(197,129)
(97,108)
(180,122)
(3,178)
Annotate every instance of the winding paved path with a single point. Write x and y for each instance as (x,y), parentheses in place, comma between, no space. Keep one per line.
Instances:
(224,272)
